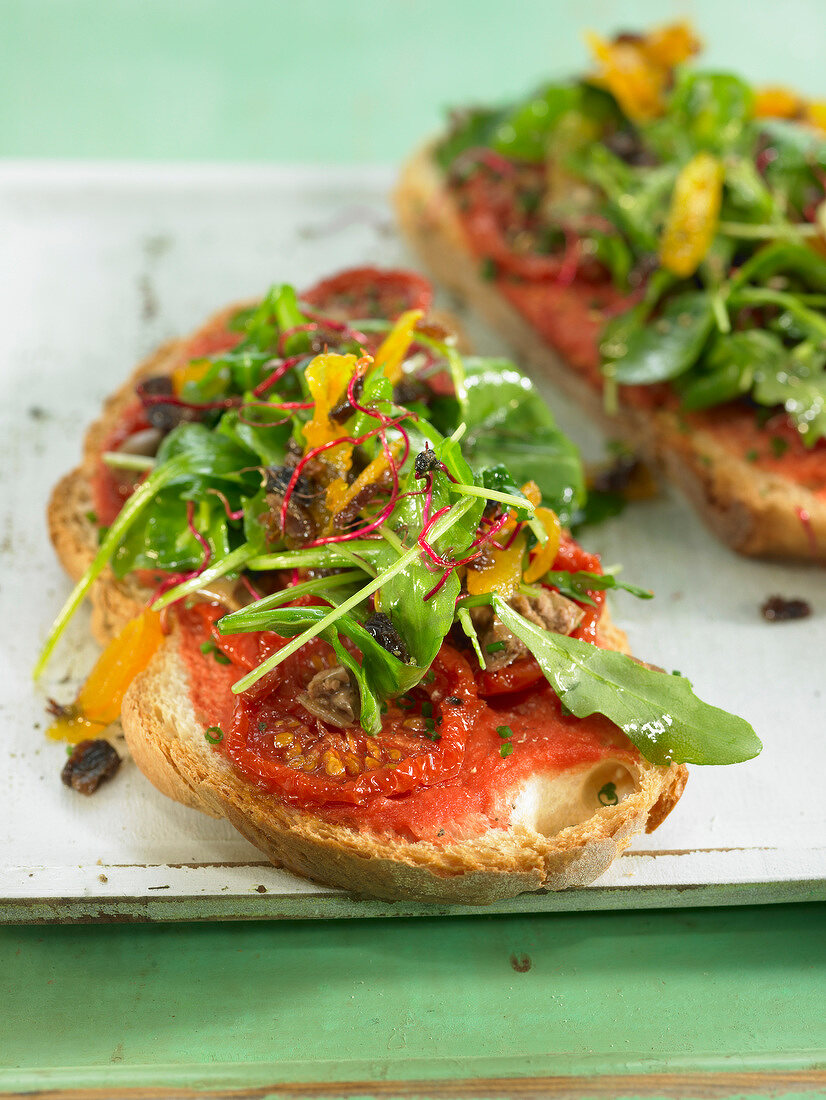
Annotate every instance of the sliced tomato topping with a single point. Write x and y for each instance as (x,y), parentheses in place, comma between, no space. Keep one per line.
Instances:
(362,292)
(242,649)
(510,679)
(276,743)
(110,492)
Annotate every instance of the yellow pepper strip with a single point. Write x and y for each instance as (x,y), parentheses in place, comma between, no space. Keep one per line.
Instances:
(327,377)
(99,700)
(190,372)
(668,46)
(544,558)
(393,348)
(693,215)
(815,113)
(504,576)
(776,102)
(339,494)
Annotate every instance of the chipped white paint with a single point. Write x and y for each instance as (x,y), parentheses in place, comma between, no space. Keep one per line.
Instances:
(98,264)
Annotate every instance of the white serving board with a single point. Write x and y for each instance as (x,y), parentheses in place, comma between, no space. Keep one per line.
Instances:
(99,264)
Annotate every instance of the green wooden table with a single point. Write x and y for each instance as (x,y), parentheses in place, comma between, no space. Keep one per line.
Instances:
(717,1002)
(723,1000)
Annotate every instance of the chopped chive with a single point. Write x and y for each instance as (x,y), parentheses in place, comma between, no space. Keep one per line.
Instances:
(262,727)
(506,749)
(504,731)
(495,647)
(779,446)
(488,269)
(608,795)
(221,658)
(214,734)
(207,647)
(752,455)
(92,517)
(427,709)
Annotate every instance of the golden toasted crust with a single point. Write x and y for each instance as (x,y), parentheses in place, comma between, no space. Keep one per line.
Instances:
(167,743)
(755,512)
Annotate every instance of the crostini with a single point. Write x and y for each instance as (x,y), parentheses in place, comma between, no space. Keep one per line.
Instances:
(330,560)
(651,237)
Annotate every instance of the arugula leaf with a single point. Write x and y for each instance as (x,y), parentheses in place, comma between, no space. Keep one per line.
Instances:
(524,131)
(211,457)
(577,585)
(423,623)
(799,152)
(668,347)
(802,393)
(161,538)
(730,367)
(499,478)
(509,424)
(658,712)
(707,110)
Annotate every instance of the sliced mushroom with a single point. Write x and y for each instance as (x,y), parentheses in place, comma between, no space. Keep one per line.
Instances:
(332,697)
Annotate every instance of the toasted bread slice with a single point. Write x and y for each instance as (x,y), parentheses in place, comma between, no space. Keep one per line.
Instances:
(756,512)
(554,839)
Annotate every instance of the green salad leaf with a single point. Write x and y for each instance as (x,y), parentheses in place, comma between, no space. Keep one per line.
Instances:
(657,711)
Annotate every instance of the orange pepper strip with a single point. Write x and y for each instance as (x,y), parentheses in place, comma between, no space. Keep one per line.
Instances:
(815,113)
(776,102)
(545,555)
(99,701)
(693,215)
(393,348)
(637,84)
(340,494)
(637,71)
(668,46)
(190,372)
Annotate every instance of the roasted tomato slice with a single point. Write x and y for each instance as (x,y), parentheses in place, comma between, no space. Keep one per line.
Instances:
(274,742)
(512,678)
(242,649)
(362,292)
(110,489)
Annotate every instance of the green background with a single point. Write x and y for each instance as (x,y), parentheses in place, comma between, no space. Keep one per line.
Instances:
(705,991)
(326,80)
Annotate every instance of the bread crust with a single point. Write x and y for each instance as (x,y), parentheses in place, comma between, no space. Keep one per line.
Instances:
(755,512)
(168,745)
(166,741)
